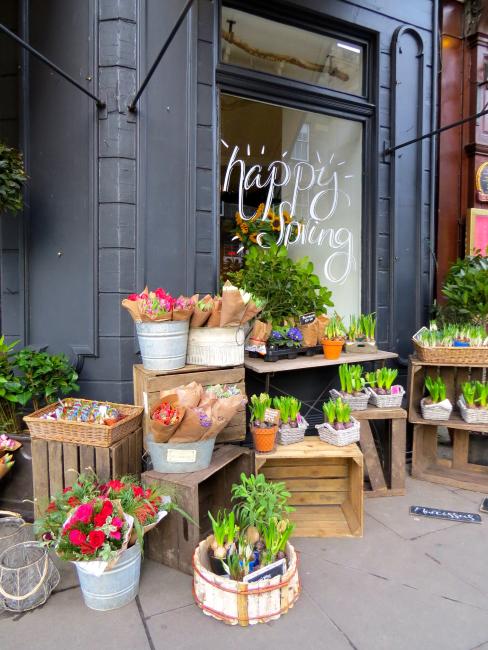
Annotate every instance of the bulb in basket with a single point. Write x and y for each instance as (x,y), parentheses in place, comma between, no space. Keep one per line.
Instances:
(381,381)
(338,414)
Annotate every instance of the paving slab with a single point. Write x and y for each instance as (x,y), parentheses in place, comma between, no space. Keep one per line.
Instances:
(382,553)
(391,510)
(377,614)
(306,626)
(64,622)
(163,589)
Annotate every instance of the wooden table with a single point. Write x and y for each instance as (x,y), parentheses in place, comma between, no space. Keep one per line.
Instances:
(326,485)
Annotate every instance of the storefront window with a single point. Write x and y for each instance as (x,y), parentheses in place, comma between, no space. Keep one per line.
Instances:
(259,44)
(293,177)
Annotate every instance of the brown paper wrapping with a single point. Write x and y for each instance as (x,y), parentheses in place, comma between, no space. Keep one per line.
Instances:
(200,317)
(251,311)
(190,430)
(310,333)
(233,306)
(188,395)
(260,331)
(222,412)
(208,399)
(160,432)
(322,321)
(183,314)
(214,319)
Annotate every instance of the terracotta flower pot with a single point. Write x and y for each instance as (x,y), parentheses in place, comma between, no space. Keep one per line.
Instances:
(332,348)
(264,438)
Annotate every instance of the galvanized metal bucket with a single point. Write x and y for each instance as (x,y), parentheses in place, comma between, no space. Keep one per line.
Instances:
(116,587)
(180,458)
(163,345)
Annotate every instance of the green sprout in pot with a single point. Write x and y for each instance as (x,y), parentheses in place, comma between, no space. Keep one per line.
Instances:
(436,389)
(224,533)
(335,330)
(384,380)
(258,406)
(282,404)
(338,414)
(370,378)
(469,393)
(482,394)
(368,326)
(329,409)
(352,381)
(295,406)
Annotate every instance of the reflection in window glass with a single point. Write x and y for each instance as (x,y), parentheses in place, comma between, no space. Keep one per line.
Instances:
(293,177)
(267,46)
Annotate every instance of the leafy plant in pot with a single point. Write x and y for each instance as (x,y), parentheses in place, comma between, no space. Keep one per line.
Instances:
(353,389)
(339,427)
(285,338)
(224,533)
(381,389)
(334,338)
(289,408)
(473,402)
(264,433)
(436,406)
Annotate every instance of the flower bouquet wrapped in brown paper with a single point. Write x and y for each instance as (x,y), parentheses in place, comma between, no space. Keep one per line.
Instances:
(222,412)
(189,395)
(166,417)
(214,319)
(202,311)
(310,333)
(157,306)
(196,423)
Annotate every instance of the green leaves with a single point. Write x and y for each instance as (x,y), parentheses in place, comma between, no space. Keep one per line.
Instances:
(436,388)
(466,290)
(258,406)
(258,501)
(290,289)
(12,178)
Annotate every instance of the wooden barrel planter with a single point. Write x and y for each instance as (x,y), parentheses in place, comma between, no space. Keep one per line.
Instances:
(241,603)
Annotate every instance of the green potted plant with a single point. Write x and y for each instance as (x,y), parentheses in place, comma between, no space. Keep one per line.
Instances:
(334,338)
(283,343)
(382,392)
(224,531)
(339,427)
(353,387)
(361,335)
(263,432)
(465,291)
(436,406)
(292,425)
(473,402)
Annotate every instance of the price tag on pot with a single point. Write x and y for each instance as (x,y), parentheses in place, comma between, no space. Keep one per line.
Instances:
(181,455)
(307,318)
(272,416)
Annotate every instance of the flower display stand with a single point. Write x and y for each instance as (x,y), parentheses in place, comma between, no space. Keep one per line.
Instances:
(326,485)
(384,464)
(459,471)
(55,465)
(148,385)
(174,540)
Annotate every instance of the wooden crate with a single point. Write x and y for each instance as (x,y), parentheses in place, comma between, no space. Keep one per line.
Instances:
(52,463)
(148,384)
(174,540)
(384,465)
(326,485)
(427,464)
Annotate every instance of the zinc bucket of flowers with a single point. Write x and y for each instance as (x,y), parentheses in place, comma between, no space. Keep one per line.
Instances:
(162,325)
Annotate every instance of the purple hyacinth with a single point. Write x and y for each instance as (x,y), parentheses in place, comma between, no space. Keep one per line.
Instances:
(276,335)
(294,334)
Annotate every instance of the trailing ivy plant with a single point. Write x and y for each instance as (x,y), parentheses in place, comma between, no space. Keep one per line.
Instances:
(466,290)
(289,288)
(12,178)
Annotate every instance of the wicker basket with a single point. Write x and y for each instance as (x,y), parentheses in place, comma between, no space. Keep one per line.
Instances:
(240,603)
(85,433)
(386,401)
(216,346)
(341,438)
(457,356)
(289,435)
(435,411)
(359,403)
(472,416)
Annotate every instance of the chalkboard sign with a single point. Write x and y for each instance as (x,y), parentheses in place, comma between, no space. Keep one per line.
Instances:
(307,318)
(451,515)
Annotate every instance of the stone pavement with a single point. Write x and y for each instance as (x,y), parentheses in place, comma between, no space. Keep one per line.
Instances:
(409,583)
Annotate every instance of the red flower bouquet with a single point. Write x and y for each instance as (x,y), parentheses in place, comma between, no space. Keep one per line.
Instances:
(96,530)
(158,305)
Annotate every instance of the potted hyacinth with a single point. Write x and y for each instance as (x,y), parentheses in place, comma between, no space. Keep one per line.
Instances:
(284,343)
(339,427)
(473,402)
(361,334)
(353,387)
(334,338)
(162,324)
(292,425)
(382,392)
(263,432)
(436,406)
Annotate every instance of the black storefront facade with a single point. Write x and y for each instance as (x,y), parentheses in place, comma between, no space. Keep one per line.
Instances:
(287,102)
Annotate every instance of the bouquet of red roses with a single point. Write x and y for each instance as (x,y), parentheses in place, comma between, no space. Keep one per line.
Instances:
(96,530)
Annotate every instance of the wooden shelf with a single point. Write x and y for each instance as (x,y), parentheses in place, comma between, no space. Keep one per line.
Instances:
(471,479)
(318,361)
(454,422)
(416,362)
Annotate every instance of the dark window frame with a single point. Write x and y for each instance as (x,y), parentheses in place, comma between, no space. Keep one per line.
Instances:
(290,93)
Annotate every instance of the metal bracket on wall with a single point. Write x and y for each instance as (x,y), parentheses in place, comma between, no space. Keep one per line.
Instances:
(100,104)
